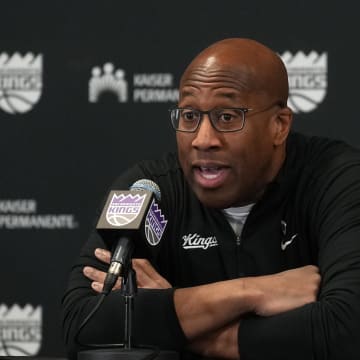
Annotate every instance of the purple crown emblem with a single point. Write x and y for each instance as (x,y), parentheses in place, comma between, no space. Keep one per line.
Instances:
(158,215)
(128,199)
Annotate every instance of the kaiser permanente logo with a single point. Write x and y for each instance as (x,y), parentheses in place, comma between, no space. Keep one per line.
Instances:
(307,79)
(20,330)
(145,87)
(20,82)
(23,214)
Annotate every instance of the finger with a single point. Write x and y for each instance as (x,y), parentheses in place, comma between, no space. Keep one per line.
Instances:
(94,274)
(103,255)
(147,276)
(143,280)
(97,286)
(98,278)
(117,285)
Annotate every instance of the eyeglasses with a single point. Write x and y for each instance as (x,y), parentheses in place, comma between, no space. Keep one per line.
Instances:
(222,119)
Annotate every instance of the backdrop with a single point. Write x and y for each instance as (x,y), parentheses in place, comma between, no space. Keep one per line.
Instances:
(84,91)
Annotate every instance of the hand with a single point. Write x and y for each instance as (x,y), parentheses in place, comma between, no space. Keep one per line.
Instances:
(286,290)
(98,276)
(146,275)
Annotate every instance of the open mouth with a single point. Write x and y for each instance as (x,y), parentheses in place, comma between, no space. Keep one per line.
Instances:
(210,176)
(210,172)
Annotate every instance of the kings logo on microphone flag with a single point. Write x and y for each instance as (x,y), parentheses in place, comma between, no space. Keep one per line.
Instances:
(155,224)
(131,210)
(124,209)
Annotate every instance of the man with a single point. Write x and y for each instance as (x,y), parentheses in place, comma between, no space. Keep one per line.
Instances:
(254,212)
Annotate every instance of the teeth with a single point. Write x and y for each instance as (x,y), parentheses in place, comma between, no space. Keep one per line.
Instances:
(209,173)
(209,176)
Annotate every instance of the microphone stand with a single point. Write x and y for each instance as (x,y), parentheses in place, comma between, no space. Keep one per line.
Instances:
(128,291)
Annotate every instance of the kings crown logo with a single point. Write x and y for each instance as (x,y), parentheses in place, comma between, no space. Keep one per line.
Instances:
(20,82)
(20,330)
(307,79)
(123,209)
(155,224)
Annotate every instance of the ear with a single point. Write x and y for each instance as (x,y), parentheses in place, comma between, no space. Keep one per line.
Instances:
(281,125)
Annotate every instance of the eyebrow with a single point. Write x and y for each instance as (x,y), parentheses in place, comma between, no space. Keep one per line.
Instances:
(186,93)
(228,94)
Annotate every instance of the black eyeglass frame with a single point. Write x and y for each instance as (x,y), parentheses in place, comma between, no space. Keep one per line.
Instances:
(243,111)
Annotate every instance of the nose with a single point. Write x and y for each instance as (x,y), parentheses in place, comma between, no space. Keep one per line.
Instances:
(206,137)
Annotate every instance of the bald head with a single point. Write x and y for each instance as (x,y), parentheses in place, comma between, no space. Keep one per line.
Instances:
(254,67)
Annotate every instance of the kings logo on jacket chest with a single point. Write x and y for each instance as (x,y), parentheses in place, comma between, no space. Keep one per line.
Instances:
(196,241)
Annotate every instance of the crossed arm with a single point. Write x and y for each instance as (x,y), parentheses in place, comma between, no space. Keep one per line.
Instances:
(209,314)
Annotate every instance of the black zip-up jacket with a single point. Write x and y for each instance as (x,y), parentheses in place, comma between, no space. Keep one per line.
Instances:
(310,214)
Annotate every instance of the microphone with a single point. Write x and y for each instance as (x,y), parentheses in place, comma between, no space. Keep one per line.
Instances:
(123,215)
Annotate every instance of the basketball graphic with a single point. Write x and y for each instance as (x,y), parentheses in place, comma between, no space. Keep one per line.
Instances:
(151,235)
(305,100)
